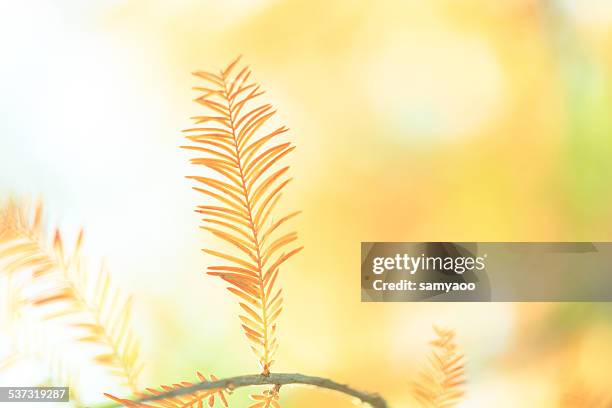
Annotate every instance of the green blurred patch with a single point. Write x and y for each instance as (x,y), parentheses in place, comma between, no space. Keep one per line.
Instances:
(587,85)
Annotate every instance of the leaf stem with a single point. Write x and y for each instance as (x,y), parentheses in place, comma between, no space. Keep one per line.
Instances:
(249,206)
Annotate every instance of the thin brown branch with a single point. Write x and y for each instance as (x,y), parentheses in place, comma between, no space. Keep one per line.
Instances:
(278,380)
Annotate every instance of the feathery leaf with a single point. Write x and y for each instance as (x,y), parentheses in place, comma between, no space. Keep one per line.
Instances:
(236,143)
(63,291)
(440,385)
(267,399)
(197,399)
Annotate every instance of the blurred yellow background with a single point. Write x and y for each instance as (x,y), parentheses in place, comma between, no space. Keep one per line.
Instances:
(414,121)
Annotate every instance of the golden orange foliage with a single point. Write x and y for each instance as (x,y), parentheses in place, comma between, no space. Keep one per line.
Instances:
(267,399)
(232,143)
(440,384)
(197,399)
(245,188)
(61,290)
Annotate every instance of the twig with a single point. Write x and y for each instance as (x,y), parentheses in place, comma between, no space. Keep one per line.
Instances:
(374,400)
